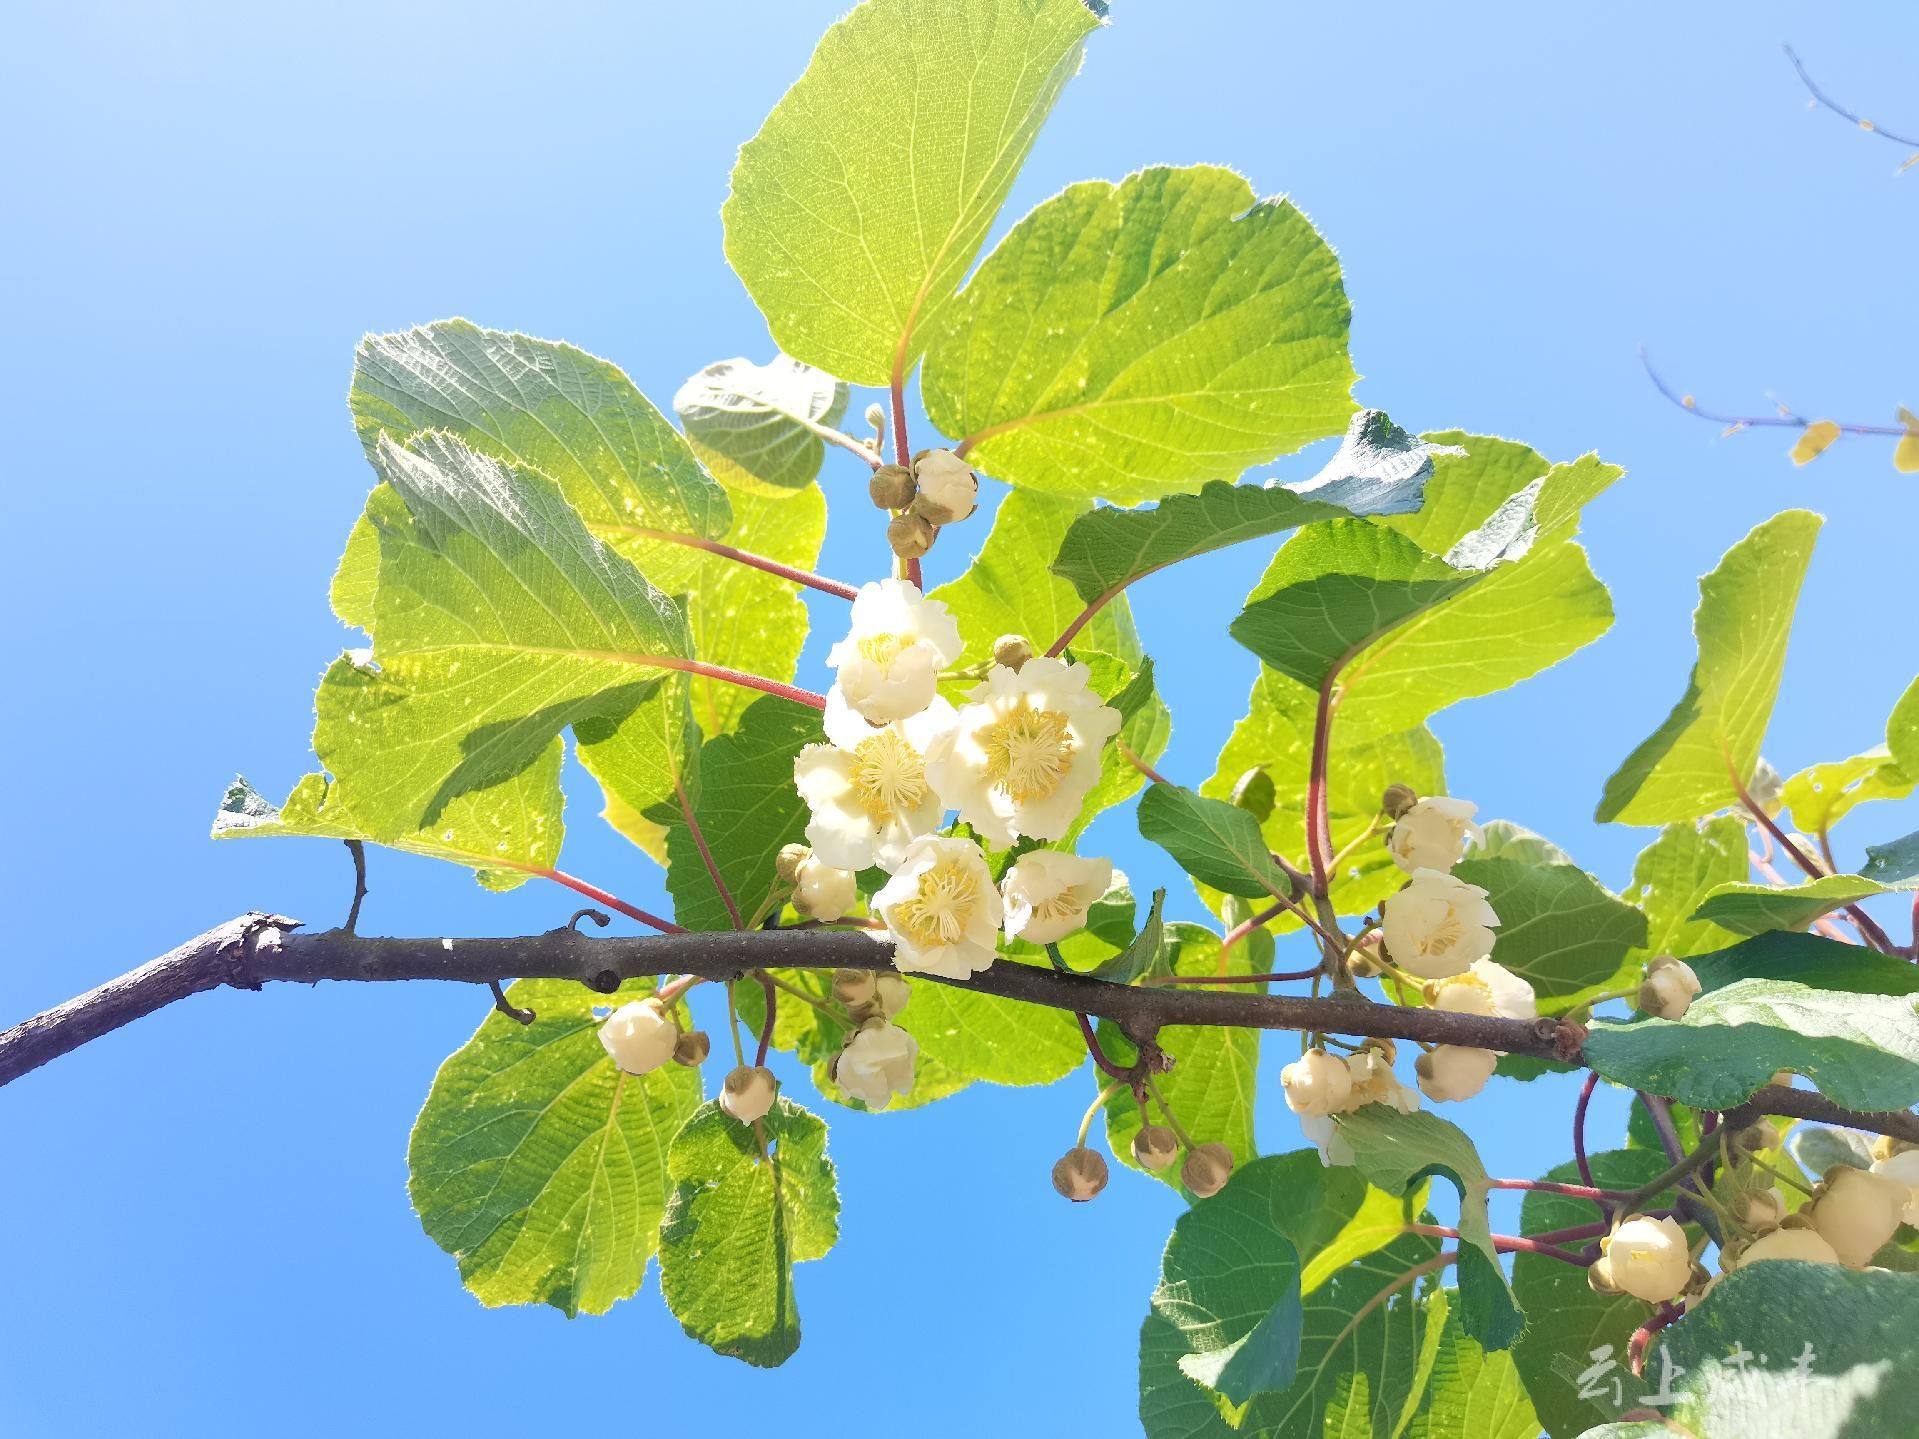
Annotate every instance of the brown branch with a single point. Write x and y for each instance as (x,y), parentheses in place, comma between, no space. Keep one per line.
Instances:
(259,949)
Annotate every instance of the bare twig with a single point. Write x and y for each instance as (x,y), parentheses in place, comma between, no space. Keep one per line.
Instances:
(1781,419)
(1870,126)
(357,849)
(524,1016)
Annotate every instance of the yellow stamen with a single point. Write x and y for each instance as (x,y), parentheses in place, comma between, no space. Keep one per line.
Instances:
(1027,752)
(938,913)
(889,775)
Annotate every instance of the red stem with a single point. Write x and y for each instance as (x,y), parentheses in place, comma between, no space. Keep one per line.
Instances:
(1869,929)
(1642,1336)
(1099,1054)
(1058,647)
(706,856)
(600,896)
(745,557)
(1504,1243)
(737,677)
(1139,764)
(766,1023)
(1579,1126)
(1319,840)
(1571,1191)
(914,574)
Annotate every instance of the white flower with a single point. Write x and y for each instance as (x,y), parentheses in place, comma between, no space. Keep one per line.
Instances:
(1858,1213)
(822,891)
(1433,834)
(1669,988)
(1489,989)
(1048,892)
(1804,1245)
(867,786)
(1647,1258)
(1317,1084)
(1454,1071)
(1375,1083)
(889,663)
(748,1092)
(639,1036)
(941,909)
(948,488)
(877,1063)
(1320,1131)
(1437,925)
(1903,1168)
(1025,751)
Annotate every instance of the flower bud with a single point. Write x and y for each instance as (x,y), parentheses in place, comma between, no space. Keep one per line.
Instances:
(1460,995)
(1316,1083)
(748,1092)
(1647,1258)
(1759,1209)
(1012,651)
(791,857)
(1454,1071)
(1599,1277)
(692,1049)
(1155,1146)
(1858,1212)
(877,1063)
(1397,800)
(1754,1137)
(1207,1169)
(1368,959)
(1080,1174)
(876,416)
(893,992)
(1254,793)
(1902,1167)
(1804,1245)
(948,488)
(891,487)
(1669,988)
(853,987)
(1432,834)
(822,892)
(910,536)
(639,1037)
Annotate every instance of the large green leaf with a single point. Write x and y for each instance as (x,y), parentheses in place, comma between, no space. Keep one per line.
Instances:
(1213,1085)
(761,423)
(1130,340)
(749,1202)
(1276,736)
(1471,1393)
(1217,843)
(1406,634)
(1565,1320)
(1678,870)
(1755,908)
(1814,1351)
(1355,1256)
(499,621)
(1395,1152)
(747,809)
(1688,766)
(1860,1048)
(505,834)
(1559,928)
(966,1037)
(1902,730)
(1379,469)
(861,203)
(538,1164)
(1008,590)
(1808,959)
(1823,795)
(1472,479)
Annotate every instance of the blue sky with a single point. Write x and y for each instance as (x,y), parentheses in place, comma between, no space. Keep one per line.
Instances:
(207,204)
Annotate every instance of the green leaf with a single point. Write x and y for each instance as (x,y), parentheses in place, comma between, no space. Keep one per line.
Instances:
(1473,477)
(1817,1149)
(1379,468)
(1353,1249)
(1217,843)
(1902,730)
(1395,1151)
(741,1217)
(1807,959)
(1688,766)
(1007,590)
(1756,908)
(1559,928)
(1130,340)
(1144,951)
(760,423)
(860,205)
(538,1164)
(1470,1393)
(1859,1048)
(1823,795)
(1565,1320)
(1213,1085)
(1277,734)
(499,622)
(1678,870)
(504,834)
(1816,1351)
(747,810)
(1502,839)
(1405,634)
(539,405)
(1145,728)
(1894,865)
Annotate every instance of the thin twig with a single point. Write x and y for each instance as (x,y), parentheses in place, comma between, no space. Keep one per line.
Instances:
(1867,926)
(1871,127)
(357,849)
(1782,420)
(706,855)
(744,557)
(523,1016)
(772,994)
(1579,1126)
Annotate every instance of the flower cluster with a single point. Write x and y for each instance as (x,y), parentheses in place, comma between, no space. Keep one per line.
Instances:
(1319,1085)
(1015,762)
